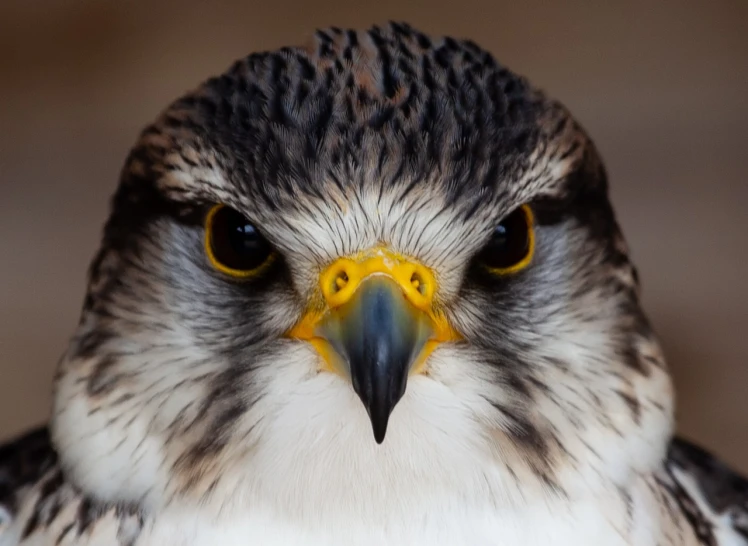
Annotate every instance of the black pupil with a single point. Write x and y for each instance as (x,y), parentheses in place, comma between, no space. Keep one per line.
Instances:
(509,243)
(235,242)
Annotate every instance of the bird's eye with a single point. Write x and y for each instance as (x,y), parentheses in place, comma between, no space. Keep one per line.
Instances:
(233,244)
(511,245)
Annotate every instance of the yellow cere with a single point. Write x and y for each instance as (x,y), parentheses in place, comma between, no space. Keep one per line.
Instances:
(339,282)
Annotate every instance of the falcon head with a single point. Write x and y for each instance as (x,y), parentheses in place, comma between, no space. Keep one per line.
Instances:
(380,262)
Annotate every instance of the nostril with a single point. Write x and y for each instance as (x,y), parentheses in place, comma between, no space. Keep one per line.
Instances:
(418,283)
(340,281)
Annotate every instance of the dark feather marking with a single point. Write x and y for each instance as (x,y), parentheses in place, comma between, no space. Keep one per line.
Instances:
(725,491)
(633,404)
(64,532)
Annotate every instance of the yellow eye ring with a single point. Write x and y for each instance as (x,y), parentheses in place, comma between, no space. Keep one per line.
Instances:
(512,245)
(234,246)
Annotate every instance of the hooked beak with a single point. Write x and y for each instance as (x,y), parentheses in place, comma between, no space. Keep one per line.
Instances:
(379,335)
(377,326)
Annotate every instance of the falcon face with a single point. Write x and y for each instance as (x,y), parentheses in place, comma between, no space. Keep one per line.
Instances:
(367,274)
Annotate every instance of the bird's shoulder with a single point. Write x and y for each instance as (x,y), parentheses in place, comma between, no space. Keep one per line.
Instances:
(710,495)
(39,506)
(23,462)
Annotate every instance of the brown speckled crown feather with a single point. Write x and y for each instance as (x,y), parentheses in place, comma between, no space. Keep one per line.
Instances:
(384,106)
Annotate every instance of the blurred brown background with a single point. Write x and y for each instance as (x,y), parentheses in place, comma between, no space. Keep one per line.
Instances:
(661,86)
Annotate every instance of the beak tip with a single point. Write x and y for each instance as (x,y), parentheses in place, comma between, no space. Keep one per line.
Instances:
(379,433)
(380,418)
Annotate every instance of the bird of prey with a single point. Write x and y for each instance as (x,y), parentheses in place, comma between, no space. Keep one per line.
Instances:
(368,291)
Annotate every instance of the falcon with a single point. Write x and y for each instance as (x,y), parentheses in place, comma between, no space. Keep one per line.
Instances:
(368,291)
